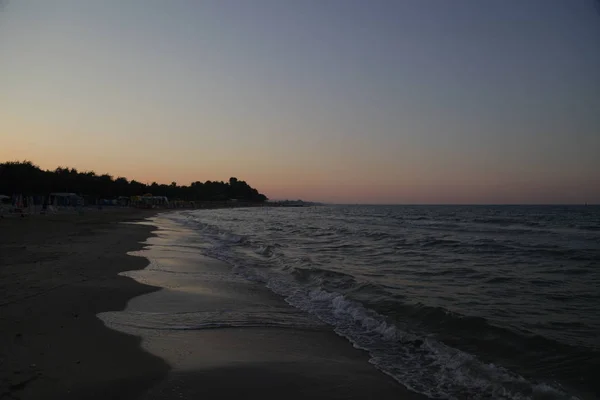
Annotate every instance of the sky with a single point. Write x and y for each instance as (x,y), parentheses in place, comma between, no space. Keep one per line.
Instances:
(349,101)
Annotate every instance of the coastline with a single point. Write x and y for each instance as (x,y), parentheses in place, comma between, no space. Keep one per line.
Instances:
(225,336)
(60,278)
(56,273)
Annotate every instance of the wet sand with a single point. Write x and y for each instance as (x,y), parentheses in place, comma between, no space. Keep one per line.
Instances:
(225,336)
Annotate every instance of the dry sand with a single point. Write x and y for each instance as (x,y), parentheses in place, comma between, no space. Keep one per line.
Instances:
(56,273)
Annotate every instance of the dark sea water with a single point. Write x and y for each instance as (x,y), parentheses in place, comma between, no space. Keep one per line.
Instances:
(466,302)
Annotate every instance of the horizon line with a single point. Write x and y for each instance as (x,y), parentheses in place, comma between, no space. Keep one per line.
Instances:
(452,204)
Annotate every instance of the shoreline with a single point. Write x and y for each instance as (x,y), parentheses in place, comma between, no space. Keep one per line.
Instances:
(60,277)
(226,336)
(57,272)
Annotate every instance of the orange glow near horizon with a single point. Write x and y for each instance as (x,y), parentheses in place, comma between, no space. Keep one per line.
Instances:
(323,188)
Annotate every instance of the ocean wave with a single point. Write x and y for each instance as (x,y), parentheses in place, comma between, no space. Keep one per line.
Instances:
(433,242)
(419,362)
(429,348)
(265,250)
(500,279)
(592,228)
(497,221)
(459,271)
(320,276)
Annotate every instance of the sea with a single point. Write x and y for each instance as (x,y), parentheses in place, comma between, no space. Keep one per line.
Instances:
(454,302)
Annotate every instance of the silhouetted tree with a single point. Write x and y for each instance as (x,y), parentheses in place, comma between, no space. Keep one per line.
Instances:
(29,179)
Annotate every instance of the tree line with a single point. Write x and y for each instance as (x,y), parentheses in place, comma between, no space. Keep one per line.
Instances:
(28,179)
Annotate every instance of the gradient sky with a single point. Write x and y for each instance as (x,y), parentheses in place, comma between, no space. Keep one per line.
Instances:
(354,101)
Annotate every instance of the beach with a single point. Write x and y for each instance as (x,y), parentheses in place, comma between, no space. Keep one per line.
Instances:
(61,291)
(56,273)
